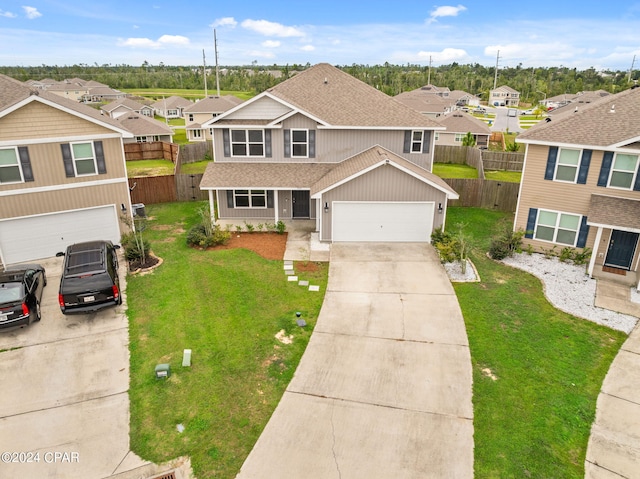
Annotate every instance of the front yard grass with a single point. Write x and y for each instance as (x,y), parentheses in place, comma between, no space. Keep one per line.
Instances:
(226,306)
(149,168)
(454,170)
(534,418)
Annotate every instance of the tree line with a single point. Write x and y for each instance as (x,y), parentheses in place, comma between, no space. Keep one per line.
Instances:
(534,84)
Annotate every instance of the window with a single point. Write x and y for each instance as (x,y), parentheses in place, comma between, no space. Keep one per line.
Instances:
(190,117)
(250,198)
(247,142)
(567,165)
(141,139)
(437,135)
(10,171)
(299,143)
(196,133)
(459,137)
(557,227)
(172,112)
(417,138)
(623,171)
(83,158)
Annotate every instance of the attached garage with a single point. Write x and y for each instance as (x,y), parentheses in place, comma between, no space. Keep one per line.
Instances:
(42,236)
(382,221)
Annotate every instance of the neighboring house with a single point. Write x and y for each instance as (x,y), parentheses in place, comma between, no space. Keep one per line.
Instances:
(458,124)
(323,145)
(434,101)
(97,94)
(61,182)
(145,129)
(581,185)
(126,106)
(72,91)
(566,102)
(504,96)
(171,107)
(203,110)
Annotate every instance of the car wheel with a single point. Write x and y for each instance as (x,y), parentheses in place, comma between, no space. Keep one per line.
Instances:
(38,312)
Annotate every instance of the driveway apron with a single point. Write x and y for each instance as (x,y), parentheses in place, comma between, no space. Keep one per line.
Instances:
(384,386)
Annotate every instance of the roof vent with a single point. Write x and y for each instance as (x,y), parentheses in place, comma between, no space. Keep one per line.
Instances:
(325,80)
(613,109)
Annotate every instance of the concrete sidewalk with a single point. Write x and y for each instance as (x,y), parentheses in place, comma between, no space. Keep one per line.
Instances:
(384,386)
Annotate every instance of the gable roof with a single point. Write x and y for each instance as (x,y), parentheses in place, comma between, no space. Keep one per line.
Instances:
(627,212)
(611,121)
(339,99)
(233,175)
(126,102)
(506,89)
(214,104)
(425,102)
(171,102)
(139,125)
(463,123)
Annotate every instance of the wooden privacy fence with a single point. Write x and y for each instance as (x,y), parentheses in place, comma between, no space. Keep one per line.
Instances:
(490,194)
(503,160)
(164,189)
(156,150)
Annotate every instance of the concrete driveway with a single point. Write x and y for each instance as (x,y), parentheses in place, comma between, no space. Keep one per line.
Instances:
(384,386)
(64,400)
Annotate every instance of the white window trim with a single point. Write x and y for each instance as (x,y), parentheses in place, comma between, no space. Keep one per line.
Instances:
(250,194)
(74,159)
(459,137)
(577,167)
(247,143)
(15,150)
(306,142)
(415,142)
(197,133)
(556,227)
(634,173)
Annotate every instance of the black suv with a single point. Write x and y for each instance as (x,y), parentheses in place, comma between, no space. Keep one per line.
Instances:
(20,294)
(89,277)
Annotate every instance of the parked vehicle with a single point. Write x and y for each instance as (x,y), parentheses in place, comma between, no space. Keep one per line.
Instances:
(480,110)
(20,294)
(527,112)
(90,279)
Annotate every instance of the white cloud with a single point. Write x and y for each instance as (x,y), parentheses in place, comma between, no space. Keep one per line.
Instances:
(31,12)
(7,14)
(148,43)
(447,55)
(224,22)
(446,11)
(308,48)
(173,40)
(272,29)
(271,44)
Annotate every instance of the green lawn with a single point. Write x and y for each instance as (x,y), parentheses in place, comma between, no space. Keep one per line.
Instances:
(195,168)
(454,170)
(226,306)
(149,168)
(534,419)
(506,176)
(157,94)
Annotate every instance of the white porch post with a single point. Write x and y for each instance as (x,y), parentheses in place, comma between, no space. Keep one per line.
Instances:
(275,206)
(594,253)
(212,210)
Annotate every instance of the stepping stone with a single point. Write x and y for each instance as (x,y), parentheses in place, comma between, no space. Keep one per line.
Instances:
(288,265)
(314,288)
(292,278)
(289,272)
(304,283)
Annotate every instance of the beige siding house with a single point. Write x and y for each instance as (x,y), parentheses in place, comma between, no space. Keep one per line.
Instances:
(458,124)
(504,96)
(581,185)
(62,182)
(323,145)
(203,111)
(171,107)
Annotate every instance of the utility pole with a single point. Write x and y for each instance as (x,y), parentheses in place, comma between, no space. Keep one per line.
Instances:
(429,80)
(215,46)
(631,69)
(495,79)
(204,73)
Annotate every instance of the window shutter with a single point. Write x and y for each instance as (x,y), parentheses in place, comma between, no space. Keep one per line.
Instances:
(584,167)
(312,144)
(636,185)
(551,163)
(407,142)
(229,198)
(607,159)
(287,143)
(269,198)
(226,142)
(426,141)
(267,143)
(102,165)
(25,163)
(531,222)
(67,160)
(584,232)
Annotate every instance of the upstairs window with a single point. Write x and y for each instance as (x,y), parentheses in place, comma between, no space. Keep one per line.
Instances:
(417,137)
(10,171)
(567,166)
(247,143)
(623,171)
(84,160)
(299,143)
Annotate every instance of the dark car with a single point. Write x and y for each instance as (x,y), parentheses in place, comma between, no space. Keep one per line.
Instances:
(20,294)
(89,277)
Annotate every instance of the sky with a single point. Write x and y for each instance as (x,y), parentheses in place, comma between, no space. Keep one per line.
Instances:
(540,33)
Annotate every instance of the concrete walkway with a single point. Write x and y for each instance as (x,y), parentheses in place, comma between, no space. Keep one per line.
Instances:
(384,386)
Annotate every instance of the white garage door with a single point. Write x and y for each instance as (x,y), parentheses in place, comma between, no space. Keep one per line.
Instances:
(382,221)
(35,237)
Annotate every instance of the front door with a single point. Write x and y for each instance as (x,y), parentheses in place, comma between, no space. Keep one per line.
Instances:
(300,200)
(622,246)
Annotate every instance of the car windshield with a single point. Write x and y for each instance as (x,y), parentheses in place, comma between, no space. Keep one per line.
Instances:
(10,292)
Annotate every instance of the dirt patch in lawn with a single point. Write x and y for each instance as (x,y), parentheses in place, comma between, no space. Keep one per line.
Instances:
(268,245)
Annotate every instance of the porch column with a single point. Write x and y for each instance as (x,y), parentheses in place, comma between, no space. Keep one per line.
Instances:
(594,253)
(212,209)
(275,206)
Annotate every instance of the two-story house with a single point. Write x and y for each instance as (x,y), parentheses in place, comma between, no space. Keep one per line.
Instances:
(171,107)
(126,106)
(202,111)
(458,124)
(323,145)
(62,174)
(504,96)
(581,185)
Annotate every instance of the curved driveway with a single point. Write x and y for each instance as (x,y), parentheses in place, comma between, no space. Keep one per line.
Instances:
(384,386)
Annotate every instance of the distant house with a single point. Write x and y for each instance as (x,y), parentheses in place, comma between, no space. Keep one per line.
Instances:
(568,101)
(504,96)
(125,106)
(171,107)
(202,111)
(458,124)
(145,129)
(434,101)
(81,90)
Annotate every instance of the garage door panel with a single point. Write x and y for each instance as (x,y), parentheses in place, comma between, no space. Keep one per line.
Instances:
(36,237)
(382,221)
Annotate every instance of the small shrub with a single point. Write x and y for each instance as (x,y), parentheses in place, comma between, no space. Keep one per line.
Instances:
(249,227)
(271,227)
(238,228)
(529,249)
(446,245)
(260,227)
(582,257)
(506,244)
(197,236)
(280,227)
(549,252)
(135,248)
(566,254)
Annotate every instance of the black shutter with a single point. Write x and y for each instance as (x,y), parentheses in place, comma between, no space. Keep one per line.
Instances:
(426,141)
(531,222)
(267,143)
(226,142)
(287,143)
(584,167)
(25,163)
(269,198)
(584,232)
(67,160)
(551,163)
(229,198)
(636,186)
(312,143)
(607,159)
(407,142)
(102,166)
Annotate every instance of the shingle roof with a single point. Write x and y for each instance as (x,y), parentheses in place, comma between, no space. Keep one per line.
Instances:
(505,88)
(425,102)
(608,121)
(627,212)
(339,99)
(142,125)
(214,104)
(464,123)
(171,102)
(126,102)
